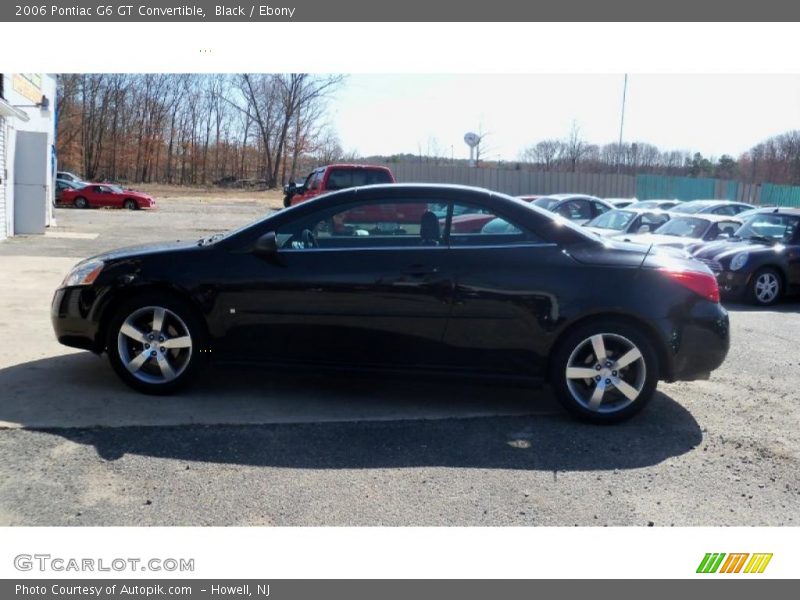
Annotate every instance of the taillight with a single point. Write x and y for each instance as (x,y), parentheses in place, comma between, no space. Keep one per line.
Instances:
(703,284)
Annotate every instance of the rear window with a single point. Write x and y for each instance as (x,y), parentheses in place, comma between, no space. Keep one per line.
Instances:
(339,179)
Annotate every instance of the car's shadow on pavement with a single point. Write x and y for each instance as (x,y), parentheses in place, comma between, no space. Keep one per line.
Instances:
(256,419)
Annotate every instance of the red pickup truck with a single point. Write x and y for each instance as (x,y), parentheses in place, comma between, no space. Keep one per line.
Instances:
(335,177)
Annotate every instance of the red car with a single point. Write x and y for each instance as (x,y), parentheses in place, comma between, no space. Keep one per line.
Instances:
(335,177)
(106,195)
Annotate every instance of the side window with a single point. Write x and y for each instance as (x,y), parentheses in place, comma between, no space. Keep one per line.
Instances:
(576,210)
(476,226)
(369,224)
(725,210)
(727,227)
(600,208)
(339,179)
(653,221)
(712,232)
(314,180)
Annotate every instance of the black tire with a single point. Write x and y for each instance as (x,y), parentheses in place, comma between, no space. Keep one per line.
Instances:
(577,351)
(80,202)
(130,204)
(287,201)
(184,363)
(765,287)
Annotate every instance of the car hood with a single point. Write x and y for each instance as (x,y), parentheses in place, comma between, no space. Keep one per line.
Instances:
(144,250)
(135,194)
(727,248)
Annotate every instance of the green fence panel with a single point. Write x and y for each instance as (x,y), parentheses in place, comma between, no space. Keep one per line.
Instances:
(731,190)
(780,195)
(683,188)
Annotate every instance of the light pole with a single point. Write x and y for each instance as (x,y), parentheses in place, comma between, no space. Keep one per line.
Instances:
(622,123)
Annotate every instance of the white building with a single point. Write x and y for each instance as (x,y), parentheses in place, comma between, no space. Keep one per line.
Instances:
(27,152)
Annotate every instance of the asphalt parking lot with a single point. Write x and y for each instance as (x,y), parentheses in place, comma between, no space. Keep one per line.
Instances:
(77,447)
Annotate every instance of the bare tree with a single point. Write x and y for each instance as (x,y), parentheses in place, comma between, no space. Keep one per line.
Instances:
(544,154)
(575,147)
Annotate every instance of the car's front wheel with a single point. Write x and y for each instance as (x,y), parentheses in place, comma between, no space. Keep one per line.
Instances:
(154,343)
(604,371)
(765,287)
(130,204)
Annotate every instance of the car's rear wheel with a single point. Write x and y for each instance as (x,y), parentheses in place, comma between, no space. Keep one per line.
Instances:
(604,371)
(766,287)
(154,343)
(130,204)
(81,202)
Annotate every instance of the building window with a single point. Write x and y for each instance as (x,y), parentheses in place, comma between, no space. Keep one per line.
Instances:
(2,79)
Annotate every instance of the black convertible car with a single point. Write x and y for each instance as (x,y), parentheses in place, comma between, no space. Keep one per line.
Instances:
(371,278)
(761,261)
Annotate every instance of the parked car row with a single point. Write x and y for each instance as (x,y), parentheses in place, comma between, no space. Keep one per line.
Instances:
(754,253)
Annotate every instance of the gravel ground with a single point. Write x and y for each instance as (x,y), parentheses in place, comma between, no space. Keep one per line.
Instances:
(717,452)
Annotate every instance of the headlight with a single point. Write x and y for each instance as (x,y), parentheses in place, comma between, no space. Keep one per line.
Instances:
(738,261)
(83,274)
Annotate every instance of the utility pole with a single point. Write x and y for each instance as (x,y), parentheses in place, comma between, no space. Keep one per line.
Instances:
(622,123)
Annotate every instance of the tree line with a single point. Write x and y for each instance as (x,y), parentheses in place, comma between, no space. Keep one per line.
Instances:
(775,160)
(198,129)
(194,129)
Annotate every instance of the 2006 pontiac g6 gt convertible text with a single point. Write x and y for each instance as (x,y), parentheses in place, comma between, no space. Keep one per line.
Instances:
(373,278)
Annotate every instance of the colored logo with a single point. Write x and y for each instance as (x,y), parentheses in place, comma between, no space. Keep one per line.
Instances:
(742,562)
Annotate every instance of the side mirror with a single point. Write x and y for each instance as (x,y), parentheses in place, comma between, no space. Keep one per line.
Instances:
(266,245)
(643,229)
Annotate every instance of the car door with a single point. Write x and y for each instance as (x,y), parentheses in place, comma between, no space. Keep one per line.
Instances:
(503,298)
(342,290)
(103,196)
(793,256)
(93,195)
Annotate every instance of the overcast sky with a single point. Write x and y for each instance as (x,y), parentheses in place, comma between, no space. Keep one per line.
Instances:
(712,114)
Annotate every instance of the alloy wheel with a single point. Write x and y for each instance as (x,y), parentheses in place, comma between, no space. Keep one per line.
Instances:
(767,287)
(154,345)
(605,373)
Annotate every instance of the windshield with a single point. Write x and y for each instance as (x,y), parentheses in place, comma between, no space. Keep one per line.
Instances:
(614,219)
(546,203)
(116,189)
(689,227)
(770,226)
(222,235)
